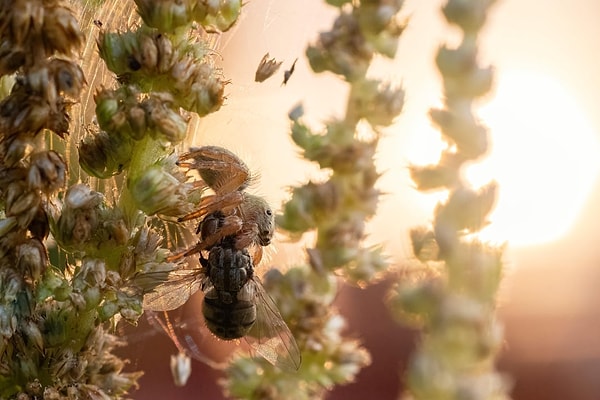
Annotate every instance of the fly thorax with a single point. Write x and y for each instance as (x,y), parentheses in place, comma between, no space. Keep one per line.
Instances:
(229,269)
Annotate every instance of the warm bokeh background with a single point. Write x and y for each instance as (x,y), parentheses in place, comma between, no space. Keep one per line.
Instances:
(547,128)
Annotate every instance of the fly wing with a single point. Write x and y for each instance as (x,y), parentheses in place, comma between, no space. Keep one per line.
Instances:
(270,336)
(175,291)
(185,331)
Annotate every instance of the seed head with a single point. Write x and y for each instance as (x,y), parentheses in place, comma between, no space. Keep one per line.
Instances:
(47,172)
(158,192)
(166,15)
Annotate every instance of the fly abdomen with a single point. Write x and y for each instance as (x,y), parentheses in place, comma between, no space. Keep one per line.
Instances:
(228,321)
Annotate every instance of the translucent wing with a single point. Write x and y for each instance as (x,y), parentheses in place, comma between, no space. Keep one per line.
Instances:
(176,290)
(270,336)
(184,334)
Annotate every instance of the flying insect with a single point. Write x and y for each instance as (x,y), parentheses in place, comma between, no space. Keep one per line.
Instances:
(287,74)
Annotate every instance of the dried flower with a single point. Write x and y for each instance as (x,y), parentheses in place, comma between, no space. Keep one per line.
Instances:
(266,68)
(21,202)
(47,172)
(79,219)
(181,368)
(32,259)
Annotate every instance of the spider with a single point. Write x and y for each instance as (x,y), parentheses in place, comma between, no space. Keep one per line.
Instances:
(230,212)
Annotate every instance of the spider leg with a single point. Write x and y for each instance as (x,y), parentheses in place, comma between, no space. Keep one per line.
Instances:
(213,234)
(257,253)
(221,169)
(198,247)
(213,203)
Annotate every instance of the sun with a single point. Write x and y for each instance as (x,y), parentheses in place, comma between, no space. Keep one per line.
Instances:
(545,156)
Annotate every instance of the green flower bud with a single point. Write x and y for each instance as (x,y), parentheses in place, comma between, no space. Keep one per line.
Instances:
(445,174)
(27,367)
(476,269)
(428,379)
(217,16)
(377,17)
(117,49)
(344,50)
(108,310)
(462,76)
(52,284)
(461,127)
(107,105)
(158,192)
(163,119)
(376,102)
(303,137)
(366,267)
(466,209)
(105,154)
(469,15)
(423,243)
(167,15)
(416,303)
(337,3)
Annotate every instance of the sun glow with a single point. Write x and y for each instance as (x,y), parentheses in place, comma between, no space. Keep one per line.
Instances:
(545,156)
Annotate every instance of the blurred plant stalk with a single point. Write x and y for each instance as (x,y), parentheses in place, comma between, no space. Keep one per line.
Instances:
(336,209)
(451,294)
